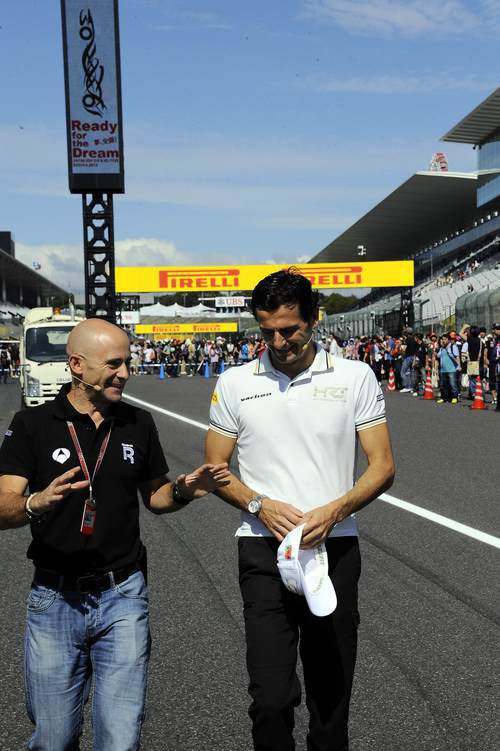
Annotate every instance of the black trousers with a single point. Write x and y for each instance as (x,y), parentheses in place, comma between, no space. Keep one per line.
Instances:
(277,624)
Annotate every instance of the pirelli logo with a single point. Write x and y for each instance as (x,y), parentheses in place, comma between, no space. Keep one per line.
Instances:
(175,279)
(333,275)
(229,278)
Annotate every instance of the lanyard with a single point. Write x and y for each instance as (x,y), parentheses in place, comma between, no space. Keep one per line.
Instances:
(83,463)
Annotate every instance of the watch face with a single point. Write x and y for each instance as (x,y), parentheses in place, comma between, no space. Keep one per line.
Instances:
(254,507)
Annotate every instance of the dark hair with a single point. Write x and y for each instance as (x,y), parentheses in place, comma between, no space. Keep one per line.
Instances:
(474,331)
(285,287)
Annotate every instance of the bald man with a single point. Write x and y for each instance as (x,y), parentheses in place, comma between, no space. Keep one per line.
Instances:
(85,456)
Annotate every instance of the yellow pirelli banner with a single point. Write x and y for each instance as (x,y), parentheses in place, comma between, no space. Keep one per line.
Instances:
(183,329)
(230,278)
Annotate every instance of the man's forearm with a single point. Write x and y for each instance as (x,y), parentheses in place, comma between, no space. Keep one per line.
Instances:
(162,501)
(12,513)
(236,493)
(376,479)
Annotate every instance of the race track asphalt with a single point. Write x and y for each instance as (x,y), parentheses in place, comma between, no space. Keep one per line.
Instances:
(428,660)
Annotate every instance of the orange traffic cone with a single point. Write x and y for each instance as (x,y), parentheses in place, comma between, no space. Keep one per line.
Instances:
(391,386)
(428,392)
(478,402)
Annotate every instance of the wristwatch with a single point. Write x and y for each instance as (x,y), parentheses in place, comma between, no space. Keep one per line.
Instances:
(255,504)
(178,497)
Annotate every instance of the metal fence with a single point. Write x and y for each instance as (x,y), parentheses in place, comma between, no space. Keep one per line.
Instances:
(479,308)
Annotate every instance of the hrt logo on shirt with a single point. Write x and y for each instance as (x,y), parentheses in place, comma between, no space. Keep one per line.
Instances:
(128,452)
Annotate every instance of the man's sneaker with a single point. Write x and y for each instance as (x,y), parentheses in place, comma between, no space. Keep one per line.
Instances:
(439,401)
(415,393)
(454,401)
(405,391)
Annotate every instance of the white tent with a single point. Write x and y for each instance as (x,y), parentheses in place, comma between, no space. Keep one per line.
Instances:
(156,310)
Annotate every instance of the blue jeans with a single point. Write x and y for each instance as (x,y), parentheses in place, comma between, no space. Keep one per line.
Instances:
(72,639)
(407,373)
(449,388)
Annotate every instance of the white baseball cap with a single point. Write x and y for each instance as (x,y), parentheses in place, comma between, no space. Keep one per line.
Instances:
(305,572)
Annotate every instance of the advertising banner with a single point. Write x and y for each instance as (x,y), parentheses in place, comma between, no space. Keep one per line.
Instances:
(128,317)
(226,278)
(229,302)
(171,329)
(93,95)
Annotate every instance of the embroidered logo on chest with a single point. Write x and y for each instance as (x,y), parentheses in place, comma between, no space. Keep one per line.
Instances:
(128,452)
(331,393)
(61,455)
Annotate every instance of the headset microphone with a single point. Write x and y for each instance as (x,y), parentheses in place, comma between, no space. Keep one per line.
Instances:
(91,385)
(305,346)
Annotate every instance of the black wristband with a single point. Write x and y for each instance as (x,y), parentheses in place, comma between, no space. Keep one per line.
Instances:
(178,497)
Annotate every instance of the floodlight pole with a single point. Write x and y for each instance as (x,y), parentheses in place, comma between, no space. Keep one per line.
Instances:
(99,255)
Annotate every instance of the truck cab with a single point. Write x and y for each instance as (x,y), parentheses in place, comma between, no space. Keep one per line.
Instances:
(42,355)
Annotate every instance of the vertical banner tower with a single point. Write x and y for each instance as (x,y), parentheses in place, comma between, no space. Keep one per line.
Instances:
(95,138)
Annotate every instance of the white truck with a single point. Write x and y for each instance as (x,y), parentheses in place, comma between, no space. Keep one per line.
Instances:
(42,354)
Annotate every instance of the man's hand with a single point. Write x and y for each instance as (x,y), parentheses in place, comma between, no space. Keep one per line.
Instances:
(57,491)
(280,518)
(319,523)
(203,480)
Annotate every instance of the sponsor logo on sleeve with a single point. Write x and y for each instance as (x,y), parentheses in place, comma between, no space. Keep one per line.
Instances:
(8,433)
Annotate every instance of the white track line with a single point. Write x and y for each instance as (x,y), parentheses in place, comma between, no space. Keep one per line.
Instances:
(444,521)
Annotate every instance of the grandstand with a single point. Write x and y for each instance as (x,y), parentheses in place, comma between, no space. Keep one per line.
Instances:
(21,288)
(449,224)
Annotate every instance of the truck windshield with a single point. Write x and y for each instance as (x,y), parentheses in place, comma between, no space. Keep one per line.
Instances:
(47,344)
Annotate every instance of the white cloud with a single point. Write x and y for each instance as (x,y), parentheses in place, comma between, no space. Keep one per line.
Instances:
(410,84)
(406,17)
(63,264)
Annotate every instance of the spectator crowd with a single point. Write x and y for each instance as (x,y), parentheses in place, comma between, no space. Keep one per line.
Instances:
(454,360)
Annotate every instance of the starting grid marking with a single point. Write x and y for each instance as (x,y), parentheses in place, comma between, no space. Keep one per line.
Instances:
(443,521)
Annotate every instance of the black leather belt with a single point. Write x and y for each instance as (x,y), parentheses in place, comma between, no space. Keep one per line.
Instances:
(86,583)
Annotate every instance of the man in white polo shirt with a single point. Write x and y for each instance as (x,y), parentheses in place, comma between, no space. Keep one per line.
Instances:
(295,417)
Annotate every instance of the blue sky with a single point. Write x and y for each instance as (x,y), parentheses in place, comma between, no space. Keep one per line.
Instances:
(254,131)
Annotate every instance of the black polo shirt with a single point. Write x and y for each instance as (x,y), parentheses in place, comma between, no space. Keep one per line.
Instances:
(38,446)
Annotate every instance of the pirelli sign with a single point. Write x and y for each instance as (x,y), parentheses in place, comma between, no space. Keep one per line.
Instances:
(230,278)
(185,328)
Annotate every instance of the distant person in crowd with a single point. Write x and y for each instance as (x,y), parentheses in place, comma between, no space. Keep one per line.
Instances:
(419,365)
(473,348)
(407,370)
(493,364)
(85,456)
(334,348)
(294,417)
(449,368)
(5,363)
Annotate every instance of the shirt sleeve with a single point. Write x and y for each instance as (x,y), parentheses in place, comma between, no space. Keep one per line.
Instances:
(156,464)
(223,417)
(370,404)
(16,454)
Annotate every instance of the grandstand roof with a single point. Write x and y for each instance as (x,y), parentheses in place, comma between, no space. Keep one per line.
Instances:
(16,272)
(422,210)
(478,125)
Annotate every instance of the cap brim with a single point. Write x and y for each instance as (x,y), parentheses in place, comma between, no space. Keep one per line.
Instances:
(316,584)
(305,572)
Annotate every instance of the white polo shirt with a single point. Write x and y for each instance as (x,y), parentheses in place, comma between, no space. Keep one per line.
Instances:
(296,438)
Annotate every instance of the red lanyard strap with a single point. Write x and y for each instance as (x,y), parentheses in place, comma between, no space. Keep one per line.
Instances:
(81,458)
